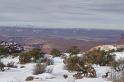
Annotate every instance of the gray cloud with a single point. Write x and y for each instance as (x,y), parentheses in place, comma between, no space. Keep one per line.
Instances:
(63,13)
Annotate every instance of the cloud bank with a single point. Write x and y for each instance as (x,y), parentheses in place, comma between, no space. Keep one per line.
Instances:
(108,14)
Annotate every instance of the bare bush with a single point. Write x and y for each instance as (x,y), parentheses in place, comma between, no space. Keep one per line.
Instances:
(120,78)
(118,65)
(39,68)
(2,66)
(12,65)
(118,74)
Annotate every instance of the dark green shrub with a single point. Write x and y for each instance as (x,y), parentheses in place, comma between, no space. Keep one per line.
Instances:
(74,50)
(36,54)
(74,63)
(15,55)
(3,50)
(56,52)
(25,57)
(99,57)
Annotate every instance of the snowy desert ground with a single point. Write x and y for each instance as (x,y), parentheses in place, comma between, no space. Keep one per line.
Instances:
(19,74)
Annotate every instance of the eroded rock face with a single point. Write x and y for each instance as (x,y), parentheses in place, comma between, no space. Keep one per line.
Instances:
(121,40)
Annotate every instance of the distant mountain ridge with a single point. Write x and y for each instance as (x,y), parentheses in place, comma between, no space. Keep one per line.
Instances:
(61,39)
(79,34)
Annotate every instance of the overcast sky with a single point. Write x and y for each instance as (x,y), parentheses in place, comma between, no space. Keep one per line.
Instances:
(108,14)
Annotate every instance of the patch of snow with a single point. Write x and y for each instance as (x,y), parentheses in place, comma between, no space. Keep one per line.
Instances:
(101,70)
(58,60)
(44,76)
(8,79)
(10,59)
(80,55)
(67,55)
(118,55)
(49,69)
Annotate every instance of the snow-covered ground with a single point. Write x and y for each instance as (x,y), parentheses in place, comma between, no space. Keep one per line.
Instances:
(118,55)
(19,74)
(105,47)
